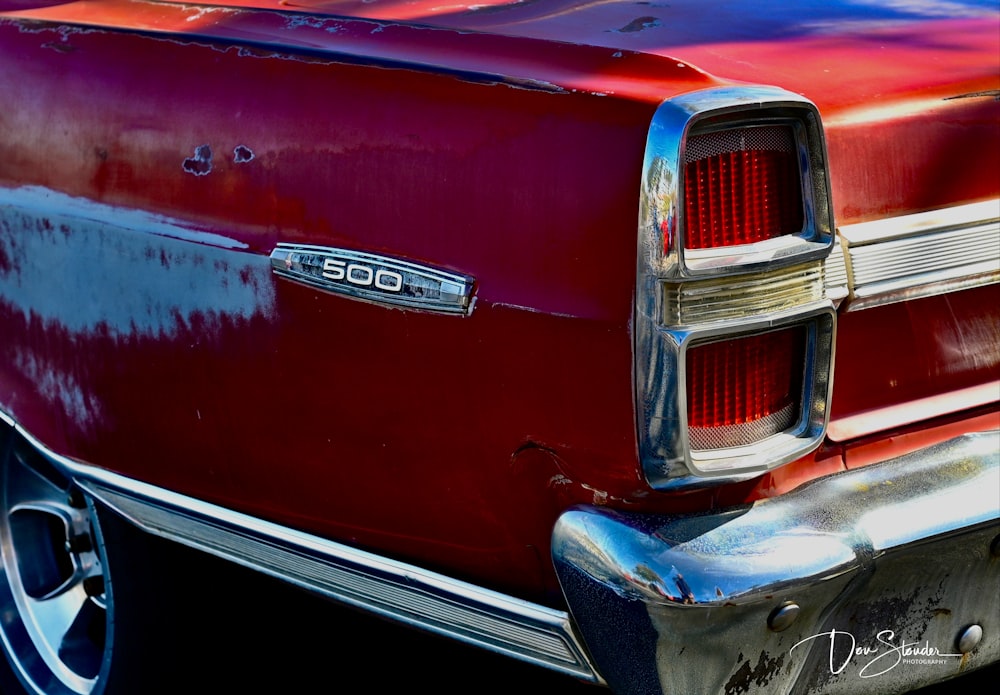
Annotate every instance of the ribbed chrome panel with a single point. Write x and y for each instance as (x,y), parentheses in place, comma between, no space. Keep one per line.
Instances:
(703,301)
(922,255)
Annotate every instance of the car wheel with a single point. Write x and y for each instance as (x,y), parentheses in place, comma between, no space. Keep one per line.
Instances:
(56,601)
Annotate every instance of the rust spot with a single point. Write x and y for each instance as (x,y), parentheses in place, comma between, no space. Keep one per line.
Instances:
(201,163)
(242,154)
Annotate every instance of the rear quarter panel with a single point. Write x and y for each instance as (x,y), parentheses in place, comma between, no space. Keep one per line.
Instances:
(144,332)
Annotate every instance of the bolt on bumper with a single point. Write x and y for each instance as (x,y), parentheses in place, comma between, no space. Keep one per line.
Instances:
(882,578)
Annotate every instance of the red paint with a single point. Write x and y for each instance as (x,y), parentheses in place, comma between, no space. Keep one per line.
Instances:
(509,156)
(918,349)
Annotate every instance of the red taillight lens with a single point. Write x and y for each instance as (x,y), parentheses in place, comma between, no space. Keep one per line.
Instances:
(743,390)
(741,186)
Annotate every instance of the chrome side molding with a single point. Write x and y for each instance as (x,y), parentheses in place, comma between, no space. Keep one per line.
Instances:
(399,591)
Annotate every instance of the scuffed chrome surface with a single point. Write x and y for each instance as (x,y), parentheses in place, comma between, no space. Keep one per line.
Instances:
(921,255)
(683,604)
(395,590)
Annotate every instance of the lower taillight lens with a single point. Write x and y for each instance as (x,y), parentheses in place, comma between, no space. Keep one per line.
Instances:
(743,390)
(741,186)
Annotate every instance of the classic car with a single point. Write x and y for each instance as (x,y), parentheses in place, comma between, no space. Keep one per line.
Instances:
(651,343)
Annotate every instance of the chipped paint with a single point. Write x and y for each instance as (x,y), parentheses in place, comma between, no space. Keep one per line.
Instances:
(305,20)
(201,163)
(242,154)
(455,50)
(202,12)
(61,47)
(640,24)
(600,497)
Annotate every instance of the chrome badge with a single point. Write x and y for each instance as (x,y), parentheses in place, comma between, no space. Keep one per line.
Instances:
(374,278)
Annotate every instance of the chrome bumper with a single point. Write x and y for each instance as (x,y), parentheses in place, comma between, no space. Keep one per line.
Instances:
(880,579)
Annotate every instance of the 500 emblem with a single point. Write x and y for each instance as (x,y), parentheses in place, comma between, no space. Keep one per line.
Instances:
(374,278)
(362,275)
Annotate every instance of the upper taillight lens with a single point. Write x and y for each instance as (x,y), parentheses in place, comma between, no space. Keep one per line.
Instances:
(741,186)
(743,390)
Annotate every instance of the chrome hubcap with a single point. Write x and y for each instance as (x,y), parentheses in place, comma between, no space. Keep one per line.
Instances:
(52,581)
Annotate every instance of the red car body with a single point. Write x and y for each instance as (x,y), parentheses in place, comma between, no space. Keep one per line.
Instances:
(153,155)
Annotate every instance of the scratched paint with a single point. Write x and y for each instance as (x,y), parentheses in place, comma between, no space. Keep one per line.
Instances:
(61,389)
(155,284)
(152,277)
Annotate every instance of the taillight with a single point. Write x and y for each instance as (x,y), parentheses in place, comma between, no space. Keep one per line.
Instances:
(745,389)
(734,328)
(741,186)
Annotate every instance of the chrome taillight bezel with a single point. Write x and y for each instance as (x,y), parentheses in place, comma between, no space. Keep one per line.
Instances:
(810,424)
(698,113)
(731,291)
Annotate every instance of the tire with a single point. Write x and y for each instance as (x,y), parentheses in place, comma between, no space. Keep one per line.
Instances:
(57,605)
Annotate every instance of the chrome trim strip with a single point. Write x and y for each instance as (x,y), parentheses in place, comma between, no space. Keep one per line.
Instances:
(921,255)
(901,545)
(922,409)
(396,590)
(374,278)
